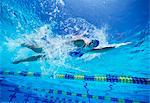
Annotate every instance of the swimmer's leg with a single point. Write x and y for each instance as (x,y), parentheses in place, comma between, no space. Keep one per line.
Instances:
(32,58)
(33,47)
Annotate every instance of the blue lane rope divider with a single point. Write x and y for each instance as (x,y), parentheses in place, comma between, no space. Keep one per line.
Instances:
(66,93)
(99,78)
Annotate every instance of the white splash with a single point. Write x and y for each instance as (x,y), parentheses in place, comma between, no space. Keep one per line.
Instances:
(55,48)
(61,2)
(11,44)
(100,34)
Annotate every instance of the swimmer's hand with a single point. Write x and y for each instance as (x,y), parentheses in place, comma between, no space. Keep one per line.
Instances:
(120,44)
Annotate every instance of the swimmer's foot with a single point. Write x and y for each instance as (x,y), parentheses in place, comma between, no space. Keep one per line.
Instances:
(27,45)
(24,45)
(16,62)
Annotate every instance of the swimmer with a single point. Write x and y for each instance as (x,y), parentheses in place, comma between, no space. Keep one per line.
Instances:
(78,41)
(83,45)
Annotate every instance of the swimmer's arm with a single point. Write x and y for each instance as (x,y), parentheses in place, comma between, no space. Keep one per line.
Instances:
(107,48)
(101,50)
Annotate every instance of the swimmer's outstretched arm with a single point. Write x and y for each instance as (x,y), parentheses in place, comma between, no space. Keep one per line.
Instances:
(33,47)
(32,58)
(101,50)
(107,48)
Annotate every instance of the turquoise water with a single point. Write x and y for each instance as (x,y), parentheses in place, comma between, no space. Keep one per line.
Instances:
(54,80)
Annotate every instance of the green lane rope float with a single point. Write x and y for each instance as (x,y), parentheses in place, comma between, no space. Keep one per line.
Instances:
(104,78)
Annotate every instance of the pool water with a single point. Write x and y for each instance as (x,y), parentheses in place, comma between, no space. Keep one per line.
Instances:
(120,75)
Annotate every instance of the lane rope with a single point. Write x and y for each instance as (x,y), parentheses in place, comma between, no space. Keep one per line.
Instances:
(46,98)
(99,78)
(85,96)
